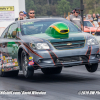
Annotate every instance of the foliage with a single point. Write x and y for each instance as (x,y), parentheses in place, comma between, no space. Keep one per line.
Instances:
(92,6)
(59,7)
(63,6)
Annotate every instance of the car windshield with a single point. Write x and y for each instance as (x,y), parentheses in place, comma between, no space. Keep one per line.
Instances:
(36,27)
(88,24)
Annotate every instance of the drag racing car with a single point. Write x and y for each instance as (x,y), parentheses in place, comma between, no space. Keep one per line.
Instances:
(48,44)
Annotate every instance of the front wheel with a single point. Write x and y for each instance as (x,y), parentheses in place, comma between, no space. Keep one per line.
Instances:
(92,67)
(56,70)
(24,63)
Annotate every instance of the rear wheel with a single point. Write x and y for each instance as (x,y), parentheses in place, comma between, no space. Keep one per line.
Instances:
(24,63)
(3,74)
(56,70)
(13,73)
(92,68)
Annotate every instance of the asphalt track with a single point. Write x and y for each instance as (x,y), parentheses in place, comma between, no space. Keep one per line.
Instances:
(57,87)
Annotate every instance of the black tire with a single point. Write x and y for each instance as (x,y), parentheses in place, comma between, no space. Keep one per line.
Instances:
(92,68)
(24,64)
(3,74)
(48,71)
(13,73)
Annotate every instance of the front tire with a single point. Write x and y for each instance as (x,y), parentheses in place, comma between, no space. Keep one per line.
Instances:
(24,63)
(48,71)
(91,68)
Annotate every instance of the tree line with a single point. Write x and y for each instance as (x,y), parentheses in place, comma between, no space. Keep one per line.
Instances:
(61,7)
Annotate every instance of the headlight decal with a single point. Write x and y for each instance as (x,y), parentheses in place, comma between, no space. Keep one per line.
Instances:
(31,50)
(92,41)
(42,46)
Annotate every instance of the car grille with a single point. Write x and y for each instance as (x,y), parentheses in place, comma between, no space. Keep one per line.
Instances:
(68,44)
(72,59)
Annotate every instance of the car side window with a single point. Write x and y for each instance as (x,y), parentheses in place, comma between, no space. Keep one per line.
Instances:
(12,31)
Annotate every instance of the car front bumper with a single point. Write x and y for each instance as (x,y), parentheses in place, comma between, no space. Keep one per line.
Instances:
(66,58)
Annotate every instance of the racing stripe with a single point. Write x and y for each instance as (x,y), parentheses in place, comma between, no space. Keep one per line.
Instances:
(53,57)
(98,51)
(34,61)
(30,48)
(88,53)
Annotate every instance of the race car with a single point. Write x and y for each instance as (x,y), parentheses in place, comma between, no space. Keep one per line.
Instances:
(90,28)
(48,44)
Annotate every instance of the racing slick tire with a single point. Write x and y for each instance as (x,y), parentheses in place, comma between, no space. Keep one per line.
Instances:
(48,71)
(3,74)
(13,73)
(24,63)
(92,68)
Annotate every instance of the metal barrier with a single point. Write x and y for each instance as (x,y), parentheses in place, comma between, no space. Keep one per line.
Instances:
(1,30)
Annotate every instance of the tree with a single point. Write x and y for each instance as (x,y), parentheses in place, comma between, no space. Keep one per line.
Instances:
(75,4)
(92,6)
(63,7)
(30,5)
(60,7)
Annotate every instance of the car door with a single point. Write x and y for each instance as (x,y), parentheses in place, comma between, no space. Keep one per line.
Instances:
(3,44)
(10,44)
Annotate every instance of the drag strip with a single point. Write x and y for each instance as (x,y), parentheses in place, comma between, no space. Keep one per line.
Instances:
(64,86)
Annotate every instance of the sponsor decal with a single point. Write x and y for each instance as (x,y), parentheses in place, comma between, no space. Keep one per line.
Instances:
(13,64)
(16,63)
(15,60)
(7,8)
(8,69)
(3,57)
(16,68)
(8,64)
(27,23)
(2,70)
(9,57)
(4,61)
(31,63)
(30,58)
